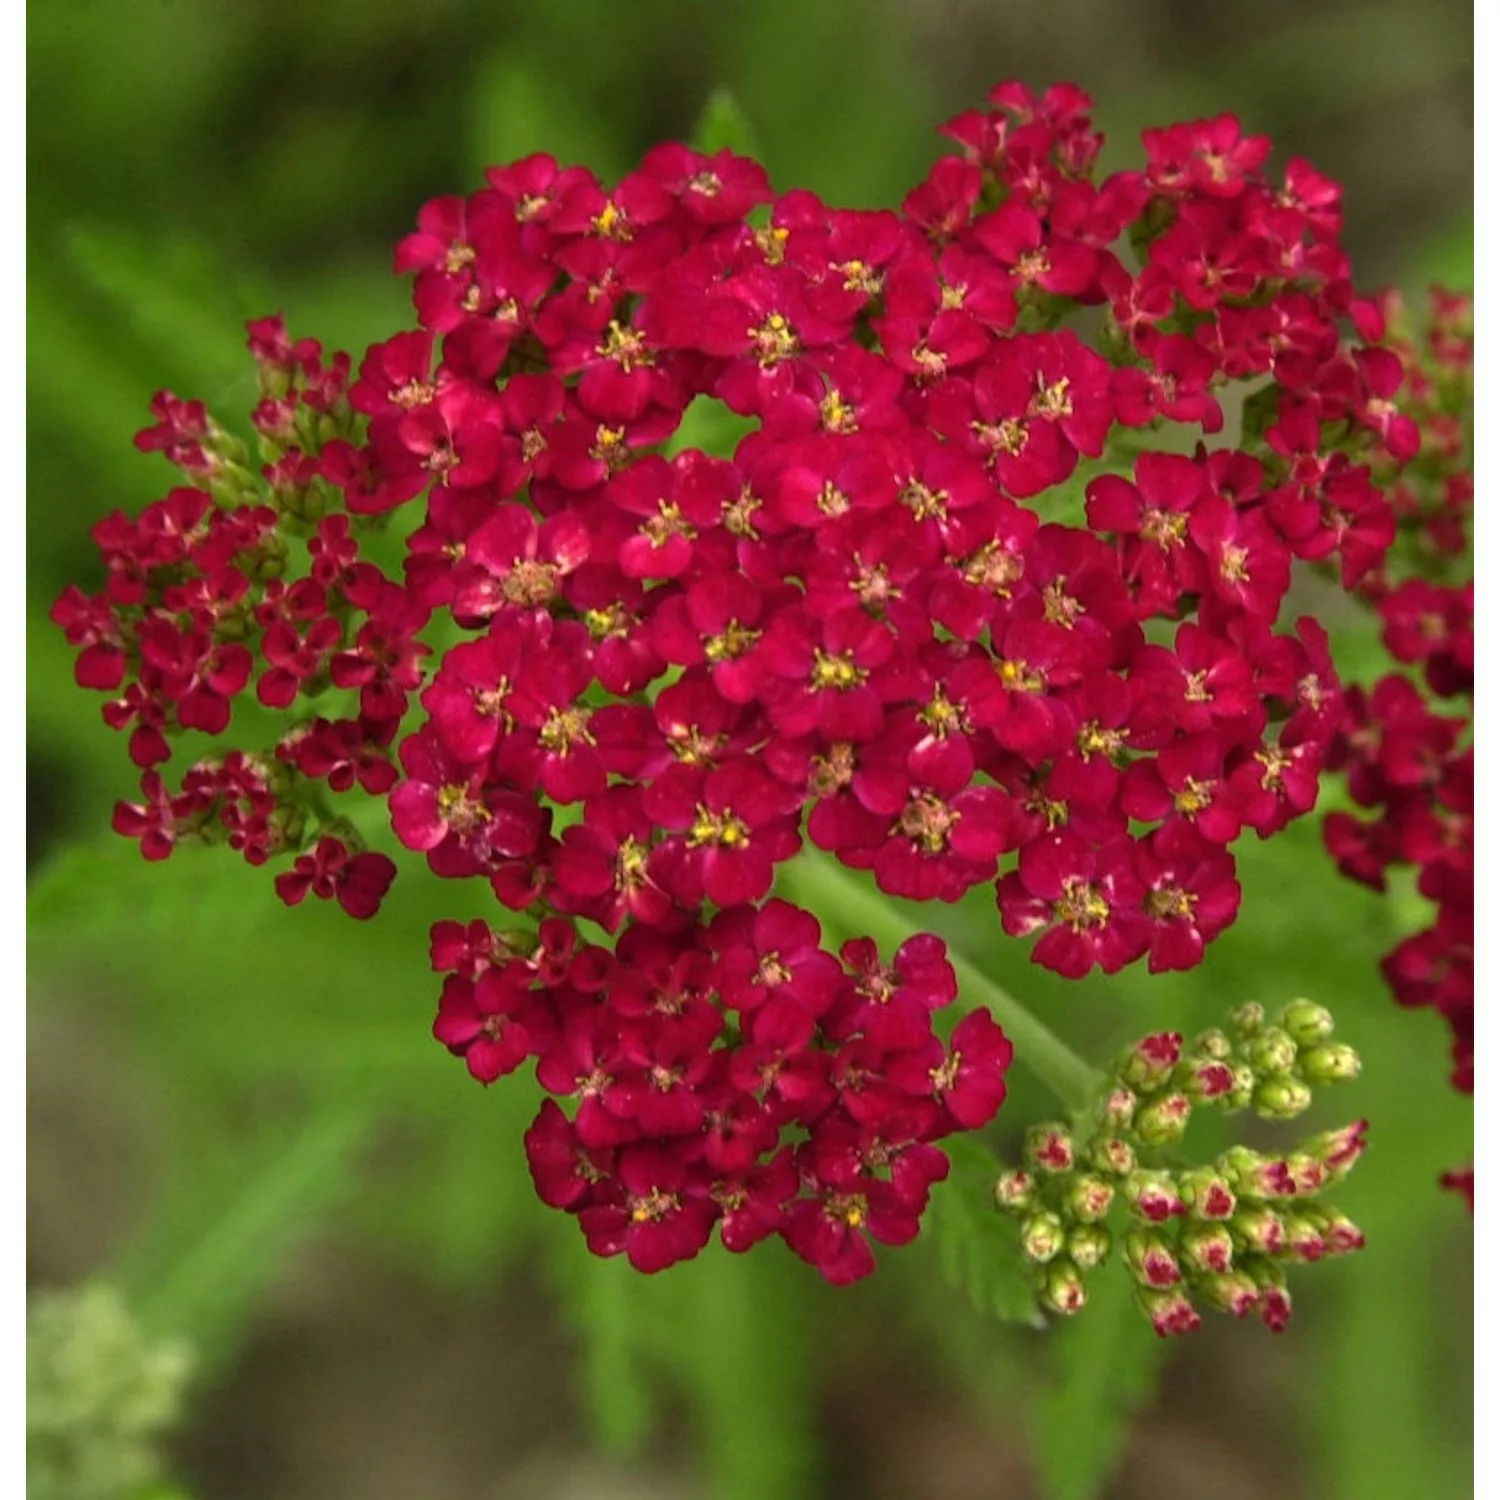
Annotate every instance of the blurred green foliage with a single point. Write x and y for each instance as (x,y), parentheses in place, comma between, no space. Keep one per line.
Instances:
(195,164)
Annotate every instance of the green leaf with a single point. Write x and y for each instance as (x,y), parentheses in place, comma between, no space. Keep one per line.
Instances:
(710,427)
(230,1220)
(603,1302)
(723,126)
(1107,1362)
(977,1246)
(178,298)
(742,1358)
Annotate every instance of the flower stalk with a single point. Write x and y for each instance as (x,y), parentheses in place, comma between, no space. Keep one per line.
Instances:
(843,900)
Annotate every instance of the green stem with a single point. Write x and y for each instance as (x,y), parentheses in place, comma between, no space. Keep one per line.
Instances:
(838,895)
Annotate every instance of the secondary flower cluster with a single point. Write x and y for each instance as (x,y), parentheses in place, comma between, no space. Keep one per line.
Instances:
(738,1076)
(1407,742)
(972,588)
(1224,1233)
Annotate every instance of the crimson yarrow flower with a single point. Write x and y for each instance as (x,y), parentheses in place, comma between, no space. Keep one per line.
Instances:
(960,609)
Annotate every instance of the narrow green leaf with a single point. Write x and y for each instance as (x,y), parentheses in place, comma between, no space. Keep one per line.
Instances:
(1107,1363)
(602,1301)
(229,1221)
(178,299)
(723,126)
(742,1359)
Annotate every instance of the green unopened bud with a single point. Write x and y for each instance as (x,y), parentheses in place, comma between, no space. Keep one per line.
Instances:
(1152,1196)
(1015,1192)
(1164,1120)
(1242,1090)
(1247,1019)
(1062,1289)
(1234,1292)
(1112,1157)
(1281,1098)
(1207,1248)
(1151,1259)
(1259,1229)
(1307,1024)
(1329,1062)
(1088,1198)
(1049,1148)
(1206,1194)
(1118,1109)
(1042,1237)
(1089,1245)
(1273,1053)
(1212,1045)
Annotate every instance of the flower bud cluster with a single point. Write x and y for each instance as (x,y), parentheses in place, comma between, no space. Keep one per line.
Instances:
(1407,742)
(1220,1235)
(961,608)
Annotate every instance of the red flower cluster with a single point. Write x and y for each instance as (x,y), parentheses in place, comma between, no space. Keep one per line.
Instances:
(964,594)
(1408,759)
(688,1058)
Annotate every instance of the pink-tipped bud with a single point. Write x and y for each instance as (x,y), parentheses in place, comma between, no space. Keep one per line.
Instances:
(1255,1176)
(1275,1301)
(1151,1259)
(1164,1120)
(1089,1245)
(1304,1239)
(1049,1148)
(1308,1175)
(1340,1233)
(1206,1194)
(1170,1312)
(1206,1078)
(1062,1290)
(1042,1237)
(1207,1248)
(1152,1196)
(1259,1229)
(1015,1192)
(1338,1150)
(1233,1292)
(1149,1063)
(1119,1109)
(1088,1198)
(1112,1157)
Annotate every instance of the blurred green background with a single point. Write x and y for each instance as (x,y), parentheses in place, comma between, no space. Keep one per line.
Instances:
(236,1113)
